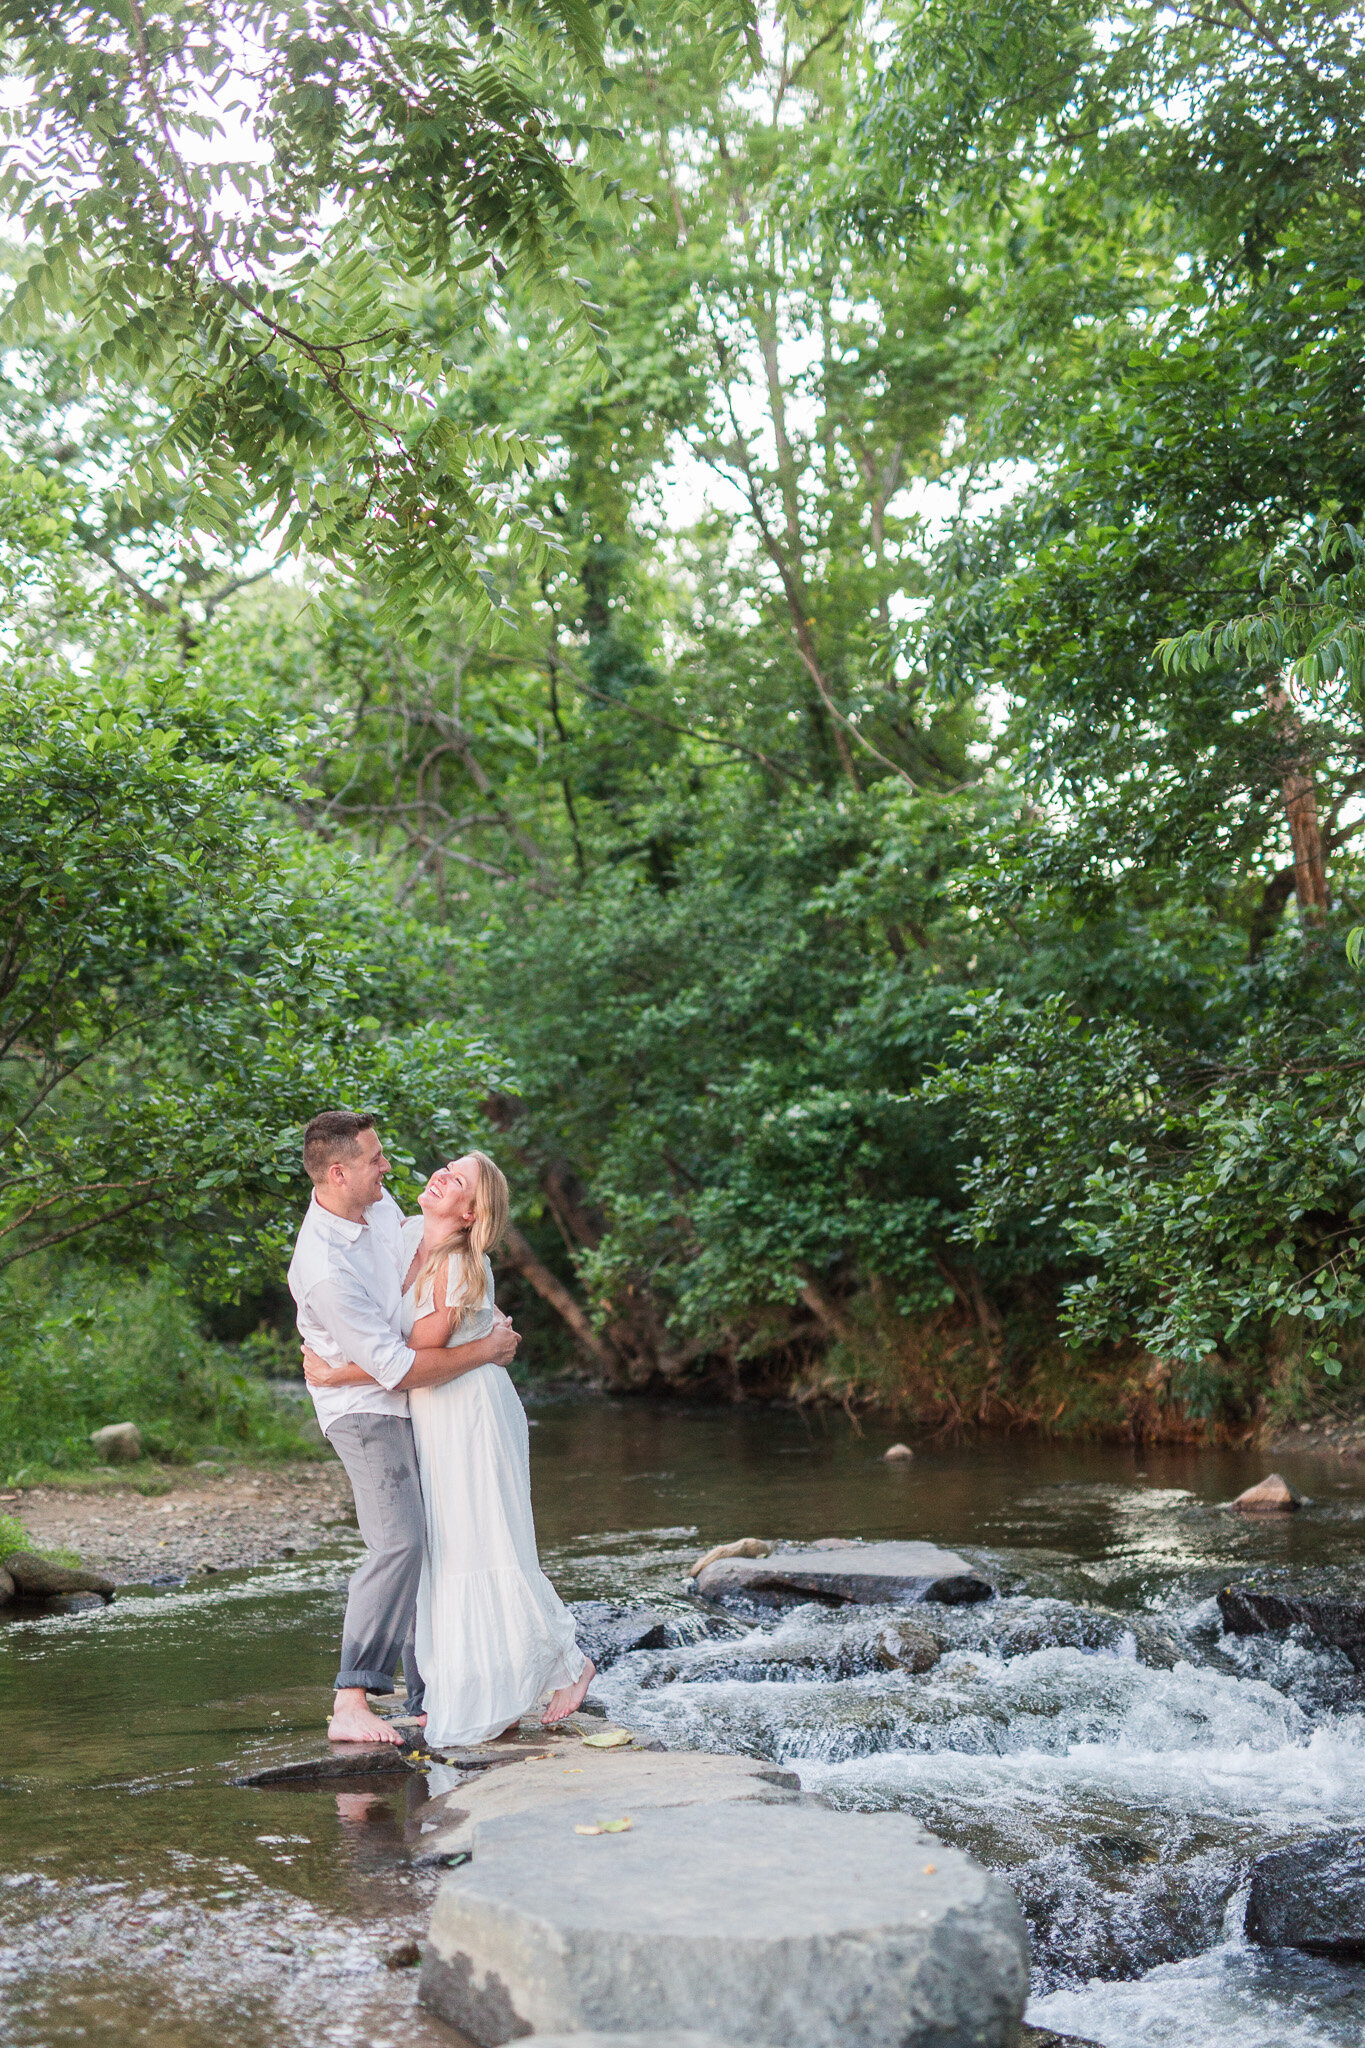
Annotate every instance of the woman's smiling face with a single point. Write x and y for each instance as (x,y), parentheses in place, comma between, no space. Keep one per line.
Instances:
(448,1196)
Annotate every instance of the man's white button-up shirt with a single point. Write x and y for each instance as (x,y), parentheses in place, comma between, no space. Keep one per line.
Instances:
(347,1282)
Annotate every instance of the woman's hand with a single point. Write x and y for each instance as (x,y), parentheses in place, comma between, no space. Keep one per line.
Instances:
(319,1373)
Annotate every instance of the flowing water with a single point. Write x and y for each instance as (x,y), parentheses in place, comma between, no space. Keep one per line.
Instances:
(1091,1733)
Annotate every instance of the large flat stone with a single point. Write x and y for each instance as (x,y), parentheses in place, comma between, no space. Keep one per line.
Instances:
(1271,1607)
(619,1781)
(1311,1896)
(901,1574)
(788,1924)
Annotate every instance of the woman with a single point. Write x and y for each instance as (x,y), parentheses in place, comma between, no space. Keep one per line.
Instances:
(492,1634)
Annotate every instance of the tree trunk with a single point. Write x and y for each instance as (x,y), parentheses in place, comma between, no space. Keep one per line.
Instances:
(1300,794)
(557,1294)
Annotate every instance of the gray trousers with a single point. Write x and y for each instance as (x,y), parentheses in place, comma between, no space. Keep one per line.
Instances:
(381,1606)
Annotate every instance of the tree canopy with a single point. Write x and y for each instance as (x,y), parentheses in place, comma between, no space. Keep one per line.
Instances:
(819,714)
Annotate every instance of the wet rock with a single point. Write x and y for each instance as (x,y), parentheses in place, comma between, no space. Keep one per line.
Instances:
(118,1443)
(8,1590)
(1256,1607)
(1043,2037)
(899,1574)
(788,1924)
(746,1546)
(807,1642)
(384,1760)
(623,1781)
(1311,1896)
(606,1632)
(37,1578)
(1122,1851)
(1273,1496)
(898,1454)
(72,1603)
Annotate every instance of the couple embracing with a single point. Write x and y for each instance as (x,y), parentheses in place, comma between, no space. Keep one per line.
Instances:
(406,1353)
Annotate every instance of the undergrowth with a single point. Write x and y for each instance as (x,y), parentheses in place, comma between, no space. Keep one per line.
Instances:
(81,1347)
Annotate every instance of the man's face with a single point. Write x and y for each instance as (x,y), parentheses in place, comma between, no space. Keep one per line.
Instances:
(363,1172)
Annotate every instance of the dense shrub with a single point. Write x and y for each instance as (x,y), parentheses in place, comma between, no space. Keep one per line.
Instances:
(80,1347)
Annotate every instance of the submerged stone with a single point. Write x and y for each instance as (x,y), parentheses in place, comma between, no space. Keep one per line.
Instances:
(900,1574)
(357,1760)
(788,1924)
(1311,1896)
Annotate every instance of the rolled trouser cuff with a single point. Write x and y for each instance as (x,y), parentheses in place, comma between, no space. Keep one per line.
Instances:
(371,1681)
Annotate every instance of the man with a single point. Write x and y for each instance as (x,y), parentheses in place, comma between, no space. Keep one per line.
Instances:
(346,1277)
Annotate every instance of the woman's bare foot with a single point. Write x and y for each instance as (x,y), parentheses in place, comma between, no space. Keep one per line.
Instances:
(569,1698)
(354,1720)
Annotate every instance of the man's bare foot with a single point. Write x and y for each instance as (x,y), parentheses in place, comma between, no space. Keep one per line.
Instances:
(569,1698)
(353,1720)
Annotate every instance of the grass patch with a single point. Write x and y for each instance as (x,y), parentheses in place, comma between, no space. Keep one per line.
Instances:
(82,1347)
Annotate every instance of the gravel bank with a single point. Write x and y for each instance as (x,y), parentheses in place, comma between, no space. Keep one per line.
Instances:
(245,1515)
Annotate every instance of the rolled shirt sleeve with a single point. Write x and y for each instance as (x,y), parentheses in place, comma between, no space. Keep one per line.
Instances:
(361,1333)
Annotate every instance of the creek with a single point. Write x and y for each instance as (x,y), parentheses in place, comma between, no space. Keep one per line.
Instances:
(1091,1733)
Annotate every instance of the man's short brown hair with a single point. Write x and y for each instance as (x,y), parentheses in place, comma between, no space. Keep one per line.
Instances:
(332,1134)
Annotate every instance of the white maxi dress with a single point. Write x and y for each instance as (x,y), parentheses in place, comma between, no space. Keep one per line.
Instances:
(493,1636)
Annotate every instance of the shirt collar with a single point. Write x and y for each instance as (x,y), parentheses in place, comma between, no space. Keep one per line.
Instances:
(340,1227)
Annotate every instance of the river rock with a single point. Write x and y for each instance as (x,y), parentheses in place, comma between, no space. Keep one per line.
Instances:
(1269,1607)
(870,1574)
(898,1454)
(606,1631)
(1272,1496)
(118,1443)
(37,1578)
(1311,1896)
(744,1546)
(8,1589)
(789,1924)
(356,1760)
(621,1781)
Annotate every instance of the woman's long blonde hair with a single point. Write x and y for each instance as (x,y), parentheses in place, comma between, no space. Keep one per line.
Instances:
(466,1283)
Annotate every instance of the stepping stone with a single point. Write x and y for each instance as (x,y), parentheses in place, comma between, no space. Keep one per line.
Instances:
(785,1924)
(872,1574)
(619,1781)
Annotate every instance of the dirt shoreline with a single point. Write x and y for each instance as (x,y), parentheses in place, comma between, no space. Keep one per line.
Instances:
(218,1520)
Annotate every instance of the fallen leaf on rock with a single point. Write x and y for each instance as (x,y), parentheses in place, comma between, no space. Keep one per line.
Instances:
(605,1827)
(615,1738)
